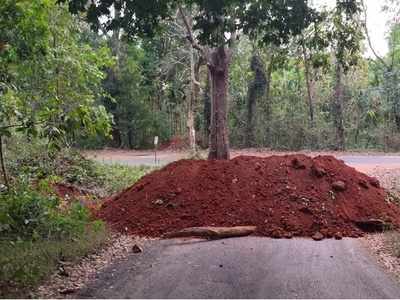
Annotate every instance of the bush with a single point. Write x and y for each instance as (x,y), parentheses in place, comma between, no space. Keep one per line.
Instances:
(25,213)
(31,163)
(35,234)
(37,229)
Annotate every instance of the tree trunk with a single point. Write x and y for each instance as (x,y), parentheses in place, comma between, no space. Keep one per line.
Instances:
(3,166)
(116,134)
(207,111)
(191,99)
(309,85)
(212,232)
(256,91)
(268,104)
(130,139)
(338,108)
(219,73)
(251,108)
(394,98)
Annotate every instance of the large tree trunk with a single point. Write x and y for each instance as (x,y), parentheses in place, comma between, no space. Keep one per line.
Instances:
(256,91)
(219,72)
(338,108)
(191,99)
(207,111)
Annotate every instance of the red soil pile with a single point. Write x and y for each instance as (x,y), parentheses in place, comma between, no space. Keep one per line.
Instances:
(283,196)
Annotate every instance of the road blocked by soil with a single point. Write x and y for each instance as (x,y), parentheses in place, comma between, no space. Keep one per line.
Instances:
(283,196)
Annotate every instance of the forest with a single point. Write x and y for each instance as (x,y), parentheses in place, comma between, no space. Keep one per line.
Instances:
(79,75)
(62,81)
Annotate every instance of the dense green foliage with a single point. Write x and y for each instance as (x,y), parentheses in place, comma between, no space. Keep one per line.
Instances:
(155,102)
(51,75)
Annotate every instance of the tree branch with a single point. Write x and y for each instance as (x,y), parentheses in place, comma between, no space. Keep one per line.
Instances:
(190,36)
(369,38)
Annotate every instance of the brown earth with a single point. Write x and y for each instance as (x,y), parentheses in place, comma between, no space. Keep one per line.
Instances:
(67,191)
(284,196)
(176,143)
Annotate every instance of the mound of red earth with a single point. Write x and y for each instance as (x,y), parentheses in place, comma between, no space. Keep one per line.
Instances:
(283,196)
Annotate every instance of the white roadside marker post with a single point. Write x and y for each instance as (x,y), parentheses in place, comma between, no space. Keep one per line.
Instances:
(155,149)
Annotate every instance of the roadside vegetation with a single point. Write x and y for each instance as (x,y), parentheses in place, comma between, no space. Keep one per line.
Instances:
(41,230)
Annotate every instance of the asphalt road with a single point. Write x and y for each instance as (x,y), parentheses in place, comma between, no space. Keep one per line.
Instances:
(362,162)
(250,267)
(138,159)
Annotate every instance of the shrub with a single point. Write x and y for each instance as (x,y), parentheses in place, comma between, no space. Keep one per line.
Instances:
(35,235)
(25,213)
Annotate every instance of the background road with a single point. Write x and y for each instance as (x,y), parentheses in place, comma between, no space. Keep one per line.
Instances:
(135,158)
(250,267)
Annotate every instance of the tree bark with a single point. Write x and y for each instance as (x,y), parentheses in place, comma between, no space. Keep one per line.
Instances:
(130,139)
(256,91)
(191,99)
(212,232)
(268,104)
(338,108)
(310,91)
(207,111)
(219,71)
(3,166)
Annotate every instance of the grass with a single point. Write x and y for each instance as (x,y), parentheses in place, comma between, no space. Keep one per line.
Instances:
(24,264)
(115,177)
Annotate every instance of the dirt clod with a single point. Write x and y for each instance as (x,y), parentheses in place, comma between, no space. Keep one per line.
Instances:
(338,236)
(248,191)
(339,186)
(374,182)
(297,164)
(158,202)
(318,236)
(67,291)
(317,171)
(363,183)
(136,249)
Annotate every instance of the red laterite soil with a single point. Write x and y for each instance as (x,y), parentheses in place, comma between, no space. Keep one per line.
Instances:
(284,196)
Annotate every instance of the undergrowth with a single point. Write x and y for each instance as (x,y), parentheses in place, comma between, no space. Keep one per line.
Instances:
(34,163)
(35,235)
(38,231)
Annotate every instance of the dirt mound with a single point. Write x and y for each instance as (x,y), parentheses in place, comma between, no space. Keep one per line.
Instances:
(283,196)
(176,143)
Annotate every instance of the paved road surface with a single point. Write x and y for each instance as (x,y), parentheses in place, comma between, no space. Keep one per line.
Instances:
(362,162)
(136,159)
(250,267)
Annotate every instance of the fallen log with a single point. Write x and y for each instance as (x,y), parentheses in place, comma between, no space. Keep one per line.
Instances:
(212,232)
(372,225)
